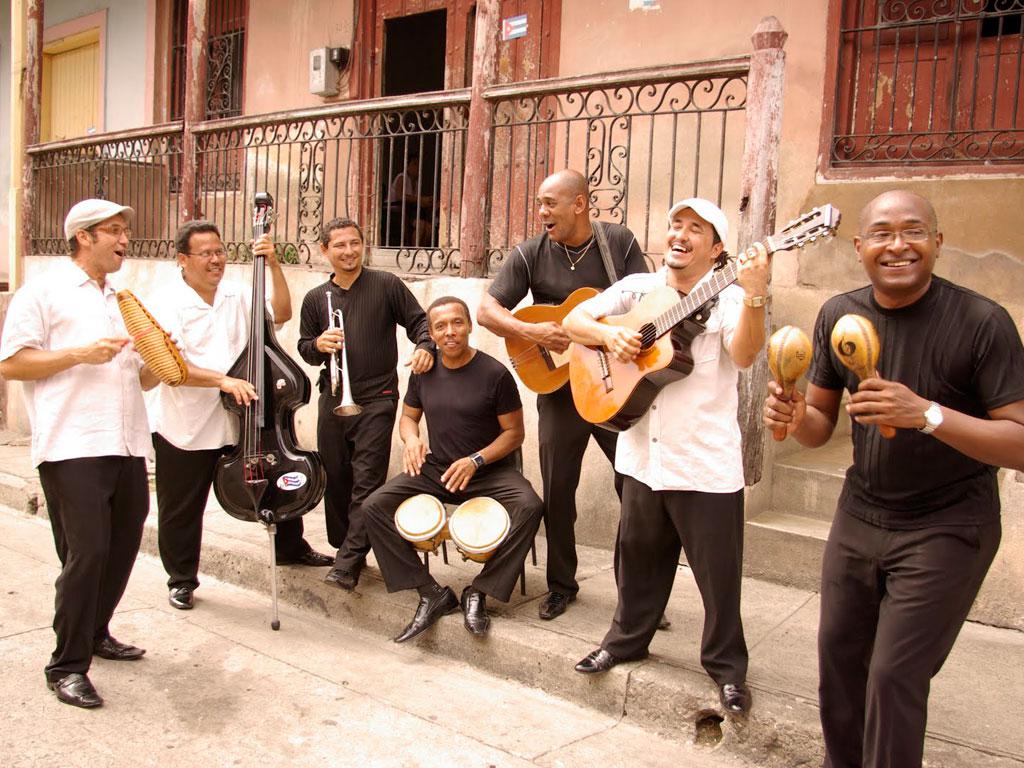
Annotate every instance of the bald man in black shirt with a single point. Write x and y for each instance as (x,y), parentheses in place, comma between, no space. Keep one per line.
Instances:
(917,523)
(568,255)
(475,420)
(356,449)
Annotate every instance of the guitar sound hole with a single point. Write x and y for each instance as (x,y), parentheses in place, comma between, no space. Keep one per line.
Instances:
(648,335)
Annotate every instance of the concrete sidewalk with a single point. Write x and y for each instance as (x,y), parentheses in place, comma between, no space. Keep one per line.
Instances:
(975,705)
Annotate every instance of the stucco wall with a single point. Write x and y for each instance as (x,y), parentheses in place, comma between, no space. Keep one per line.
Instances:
(124,69)
(281,35)
(5,133)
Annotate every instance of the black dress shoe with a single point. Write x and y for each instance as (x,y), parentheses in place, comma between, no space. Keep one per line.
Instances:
(347,580)
(596,661)
(735,697)
(114,650)
(181,598)
(664,623)
(474,611)
(554,605)
(311,558)
(75,689)
(428,611)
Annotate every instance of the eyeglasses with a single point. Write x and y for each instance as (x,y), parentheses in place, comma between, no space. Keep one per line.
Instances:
(886,237)
(220,253)
(115,231)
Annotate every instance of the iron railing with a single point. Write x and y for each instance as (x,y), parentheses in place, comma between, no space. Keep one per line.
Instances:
(929,81)
(137,168)
(643,138)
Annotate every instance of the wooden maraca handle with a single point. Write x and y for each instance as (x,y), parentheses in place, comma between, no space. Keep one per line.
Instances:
(855,342)
(789,355)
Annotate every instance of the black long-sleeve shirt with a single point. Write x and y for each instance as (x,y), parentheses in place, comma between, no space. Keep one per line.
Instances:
(371,308)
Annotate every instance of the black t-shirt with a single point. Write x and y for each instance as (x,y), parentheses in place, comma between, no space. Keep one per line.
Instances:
(952,346)
(541,266)
(462,405)
(371,308)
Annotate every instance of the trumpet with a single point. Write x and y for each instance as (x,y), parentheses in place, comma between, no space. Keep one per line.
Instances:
(339,368)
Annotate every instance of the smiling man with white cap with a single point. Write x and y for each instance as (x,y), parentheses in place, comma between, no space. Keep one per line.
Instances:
(64,338)
(682,461)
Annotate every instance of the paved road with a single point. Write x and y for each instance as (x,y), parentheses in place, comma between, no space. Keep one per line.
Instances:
(218,688)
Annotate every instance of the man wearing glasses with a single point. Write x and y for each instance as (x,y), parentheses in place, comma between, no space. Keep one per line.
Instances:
(65,339)
(917,523)
(209,319)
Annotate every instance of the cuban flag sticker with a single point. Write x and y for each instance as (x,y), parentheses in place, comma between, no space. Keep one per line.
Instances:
(513,27)
(291,481)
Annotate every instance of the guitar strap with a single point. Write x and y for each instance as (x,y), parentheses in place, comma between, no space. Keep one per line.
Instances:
(601,237)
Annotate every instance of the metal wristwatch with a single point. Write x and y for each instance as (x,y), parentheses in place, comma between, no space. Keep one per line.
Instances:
(478,460)
(755,301)
(932,418)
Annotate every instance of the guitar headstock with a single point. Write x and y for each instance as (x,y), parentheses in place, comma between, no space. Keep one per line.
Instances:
(262,213)
(822,222)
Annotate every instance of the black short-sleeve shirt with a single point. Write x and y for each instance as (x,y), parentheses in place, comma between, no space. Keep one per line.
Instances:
(952,346)
(462,405)
(543,267)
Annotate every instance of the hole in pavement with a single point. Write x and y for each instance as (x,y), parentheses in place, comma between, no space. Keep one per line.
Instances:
(708,729)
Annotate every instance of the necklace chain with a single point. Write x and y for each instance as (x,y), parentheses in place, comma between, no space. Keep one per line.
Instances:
(579,257)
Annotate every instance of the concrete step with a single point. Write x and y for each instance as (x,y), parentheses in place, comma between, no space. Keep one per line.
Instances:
(785,549)
(808,482)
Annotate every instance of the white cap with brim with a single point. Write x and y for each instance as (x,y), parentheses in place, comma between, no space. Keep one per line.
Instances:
(88,212)
(707,210)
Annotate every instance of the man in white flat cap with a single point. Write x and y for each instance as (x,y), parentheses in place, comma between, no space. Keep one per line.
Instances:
(682,460)
(65,339)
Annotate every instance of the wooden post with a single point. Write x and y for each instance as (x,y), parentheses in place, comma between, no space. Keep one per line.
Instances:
(195,105)
(757,208)
(26,81)
(480,138)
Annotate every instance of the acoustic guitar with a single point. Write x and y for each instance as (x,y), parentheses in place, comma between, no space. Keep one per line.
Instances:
(615,395)
(539,368)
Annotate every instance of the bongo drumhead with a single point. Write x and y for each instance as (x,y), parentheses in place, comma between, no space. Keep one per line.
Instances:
(479,525)
(420,517)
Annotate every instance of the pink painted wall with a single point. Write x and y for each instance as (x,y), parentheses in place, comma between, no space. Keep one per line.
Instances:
(281,36)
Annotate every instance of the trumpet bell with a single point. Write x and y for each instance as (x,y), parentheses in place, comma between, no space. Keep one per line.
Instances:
(347,409)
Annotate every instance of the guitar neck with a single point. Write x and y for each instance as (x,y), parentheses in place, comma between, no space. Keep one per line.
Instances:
(702,294)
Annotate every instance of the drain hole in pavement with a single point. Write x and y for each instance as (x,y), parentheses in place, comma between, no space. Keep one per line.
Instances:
(708,731)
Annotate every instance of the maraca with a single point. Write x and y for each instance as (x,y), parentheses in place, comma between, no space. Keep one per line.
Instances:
(789,355)
(855,342)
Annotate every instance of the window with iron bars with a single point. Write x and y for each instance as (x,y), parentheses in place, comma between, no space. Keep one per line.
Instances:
(928,83)
(225,70)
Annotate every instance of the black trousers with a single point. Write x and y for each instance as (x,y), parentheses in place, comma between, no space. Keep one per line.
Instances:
(183,481)
(892,604)
(97,508)
(398,561)
(653,528)
(563,436)
(356,451)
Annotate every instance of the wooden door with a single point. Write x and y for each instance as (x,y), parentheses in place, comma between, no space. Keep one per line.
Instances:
(72,76)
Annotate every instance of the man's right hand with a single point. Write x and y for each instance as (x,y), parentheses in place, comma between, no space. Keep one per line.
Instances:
(240,389)
(330,340)
(550,335)
(782,413)
(624,343)
(99,352)
(413,455)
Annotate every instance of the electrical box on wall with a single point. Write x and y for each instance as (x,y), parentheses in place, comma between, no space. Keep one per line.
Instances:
(323,73)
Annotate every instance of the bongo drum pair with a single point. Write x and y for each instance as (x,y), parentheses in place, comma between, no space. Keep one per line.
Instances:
(477,527)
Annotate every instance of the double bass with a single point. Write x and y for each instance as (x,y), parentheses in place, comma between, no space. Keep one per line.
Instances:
(267,477)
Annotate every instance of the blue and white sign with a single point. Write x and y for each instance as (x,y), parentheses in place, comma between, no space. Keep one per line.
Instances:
(513,27)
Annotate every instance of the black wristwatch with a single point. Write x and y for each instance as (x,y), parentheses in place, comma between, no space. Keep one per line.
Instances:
(478,460)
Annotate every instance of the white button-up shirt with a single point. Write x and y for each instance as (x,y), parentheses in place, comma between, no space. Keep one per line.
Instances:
(689,439)
(193,418)
(86,410)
